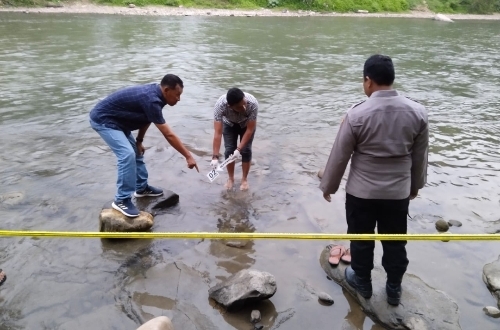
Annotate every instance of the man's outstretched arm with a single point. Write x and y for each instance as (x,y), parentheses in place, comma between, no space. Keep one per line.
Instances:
(176,143)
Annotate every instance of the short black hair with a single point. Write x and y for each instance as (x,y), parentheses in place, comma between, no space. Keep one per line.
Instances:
(380,69)
(234,96)
(171,80)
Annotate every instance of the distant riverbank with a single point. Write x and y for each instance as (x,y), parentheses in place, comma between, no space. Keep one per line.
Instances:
(91,8)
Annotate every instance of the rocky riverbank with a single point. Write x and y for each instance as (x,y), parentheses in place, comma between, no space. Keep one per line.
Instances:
(90,8)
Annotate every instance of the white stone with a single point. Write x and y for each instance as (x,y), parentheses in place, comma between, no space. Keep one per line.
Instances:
(442,18)
(255,316)
(325,297)
(492,311)
(158,323)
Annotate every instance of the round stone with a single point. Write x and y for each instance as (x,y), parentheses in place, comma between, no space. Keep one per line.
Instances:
(442,225)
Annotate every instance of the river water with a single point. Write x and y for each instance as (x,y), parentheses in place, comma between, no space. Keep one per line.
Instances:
(56,172)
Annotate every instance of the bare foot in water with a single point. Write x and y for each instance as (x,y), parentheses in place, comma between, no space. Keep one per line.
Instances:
(3,277)
(244,185)
(229,184)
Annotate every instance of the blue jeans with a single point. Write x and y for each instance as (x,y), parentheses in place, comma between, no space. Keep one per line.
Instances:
(132,173)
(231,134)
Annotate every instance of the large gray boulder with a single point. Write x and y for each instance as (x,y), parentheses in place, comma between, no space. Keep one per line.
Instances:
(421,307)
(111,220)
(246,286)
(158,323)
(153,205)
(491,277)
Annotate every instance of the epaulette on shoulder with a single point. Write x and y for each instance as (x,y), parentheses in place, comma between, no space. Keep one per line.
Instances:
(356,104)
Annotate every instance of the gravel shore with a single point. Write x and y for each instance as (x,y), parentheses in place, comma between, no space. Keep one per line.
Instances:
(90,8)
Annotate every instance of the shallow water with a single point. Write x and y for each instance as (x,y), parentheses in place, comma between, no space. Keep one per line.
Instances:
(305,72)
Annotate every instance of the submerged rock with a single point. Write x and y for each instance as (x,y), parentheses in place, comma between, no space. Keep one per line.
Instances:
(491,277)
(110,220)
(494,227)
(258,326)
(244,287)
(158,323)
(455,223)
(237,244)
(445,233)
(174,290)
(421,307)
(12,198)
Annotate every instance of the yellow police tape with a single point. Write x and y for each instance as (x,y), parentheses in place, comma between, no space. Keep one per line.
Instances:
(288,236)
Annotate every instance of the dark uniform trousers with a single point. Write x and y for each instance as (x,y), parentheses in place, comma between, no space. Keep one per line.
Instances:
(389,216)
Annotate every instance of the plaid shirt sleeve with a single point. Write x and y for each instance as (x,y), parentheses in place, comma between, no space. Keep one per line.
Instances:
(219,108)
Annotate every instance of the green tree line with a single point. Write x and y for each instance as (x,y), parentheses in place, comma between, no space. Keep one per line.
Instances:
(441,6)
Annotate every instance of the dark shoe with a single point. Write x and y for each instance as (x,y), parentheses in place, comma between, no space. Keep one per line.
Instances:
(126,207)
(149,191)
(362,286)
(393,293)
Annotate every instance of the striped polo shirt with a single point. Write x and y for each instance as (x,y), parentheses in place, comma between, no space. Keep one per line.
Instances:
(222,111)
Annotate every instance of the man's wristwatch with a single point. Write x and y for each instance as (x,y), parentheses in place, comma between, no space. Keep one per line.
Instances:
(215,157)
(139,140)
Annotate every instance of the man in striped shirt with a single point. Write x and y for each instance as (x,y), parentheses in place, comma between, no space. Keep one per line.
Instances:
(235,115)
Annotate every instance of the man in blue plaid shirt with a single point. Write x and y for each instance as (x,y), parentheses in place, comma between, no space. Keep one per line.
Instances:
(127,110)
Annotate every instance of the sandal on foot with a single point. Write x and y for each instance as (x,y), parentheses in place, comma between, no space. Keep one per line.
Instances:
(347,256)
(336,252)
